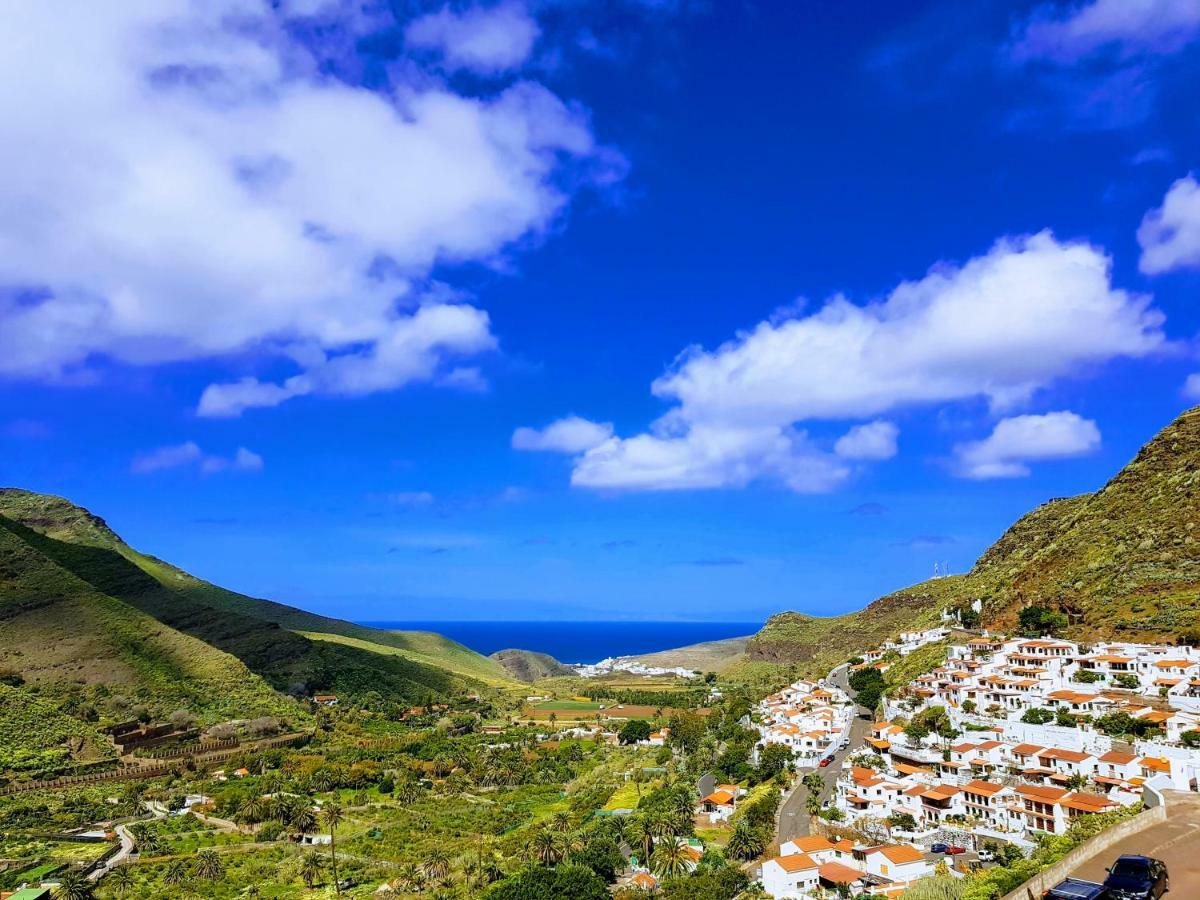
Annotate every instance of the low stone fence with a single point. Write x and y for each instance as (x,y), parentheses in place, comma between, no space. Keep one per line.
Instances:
(1049,877)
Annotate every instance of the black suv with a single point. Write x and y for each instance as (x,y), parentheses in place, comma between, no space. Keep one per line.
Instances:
(1076,889)
(1137,878)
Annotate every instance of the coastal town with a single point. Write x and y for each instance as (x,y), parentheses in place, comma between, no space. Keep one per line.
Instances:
(1009,740)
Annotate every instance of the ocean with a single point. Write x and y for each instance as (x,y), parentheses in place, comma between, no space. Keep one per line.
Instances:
(578,642)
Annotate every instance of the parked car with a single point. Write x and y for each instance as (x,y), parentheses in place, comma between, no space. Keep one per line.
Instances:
(824,762)
(986,855)
(954,849)
(844,745)
(938,848)
(1134,877)
(1077,889)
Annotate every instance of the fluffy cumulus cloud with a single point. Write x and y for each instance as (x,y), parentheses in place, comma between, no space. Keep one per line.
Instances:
(189,455)
(1191,386)
(1067,33)
(872,441)
(1170,234)
(1028,312)
(484,40)
(187,182)
(568,435)
(1018,440)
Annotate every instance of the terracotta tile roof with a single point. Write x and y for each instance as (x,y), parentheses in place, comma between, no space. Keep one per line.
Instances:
(838,873)
(1044,794)
(1067,755)
(1117,757)
(795,862)
(941,792)
(1155,764)
(900,853)
(1027,749)
(719,798)
(1086,802)
(986,788)
(813,843)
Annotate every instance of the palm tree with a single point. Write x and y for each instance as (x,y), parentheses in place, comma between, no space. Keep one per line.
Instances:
(561,821)
(122,879)
(408,877)
(332,814)
(74,886)
(640,835)
(671,858)
(209,866)
(437,865)
(304,820)
(254,810)
(745,842)
(310,869)
(176,873)
(663,824)
(546,848)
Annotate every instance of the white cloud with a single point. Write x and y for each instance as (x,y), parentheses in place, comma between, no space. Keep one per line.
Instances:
(484,40)
(1191,386)
(184,182)
(1021,439)
(709,456)
(569,435)
(189,454)
(874,440)
(1170,234)
(1068,34)
(1031,311)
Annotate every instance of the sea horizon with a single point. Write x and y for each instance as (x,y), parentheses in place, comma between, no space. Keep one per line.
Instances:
(574,641)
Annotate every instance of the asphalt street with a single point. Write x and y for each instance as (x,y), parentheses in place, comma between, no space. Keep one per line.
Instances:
(793,813)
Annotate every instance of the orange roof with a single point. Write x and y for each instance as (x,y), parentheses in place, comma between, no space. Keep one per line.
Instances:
(1155,763)
(900,853)
(795,862)
(1086,802)
(1027,749)
(720,798)
(906,769)
(983,787)
(838,873)
(1174,663)
(813,843)
(1068,755)
(1045,794)
(1117,757)
(941,792)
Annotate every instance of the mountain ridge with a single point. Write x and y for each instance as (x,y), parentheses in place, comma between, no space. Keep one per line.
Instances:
(67,580)
(1122,560)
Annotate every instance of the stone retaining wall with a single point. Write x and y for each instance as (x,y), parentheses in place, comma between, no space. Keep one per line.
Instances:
(1048,878)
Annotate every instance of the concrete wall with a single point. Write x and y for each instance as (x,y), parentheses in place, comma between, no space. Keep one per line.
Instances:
(1048,878)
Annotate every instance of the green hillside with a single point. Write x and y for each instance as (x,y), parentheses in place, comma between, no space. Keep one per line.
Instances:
(528,666)
(1121,562)
(80,609)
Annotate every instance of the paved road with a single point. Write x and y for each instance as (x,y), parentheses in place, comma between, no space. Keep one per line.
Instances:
(793,814)
(1176,842)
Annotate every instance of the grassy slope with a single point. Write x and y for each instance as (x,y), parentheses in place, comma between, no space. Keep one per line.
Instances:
(1123,560)
(528,666)
(257,632)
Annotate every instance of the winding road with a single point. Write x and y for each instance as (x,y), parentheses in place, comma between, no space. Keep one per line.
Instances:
(793,819)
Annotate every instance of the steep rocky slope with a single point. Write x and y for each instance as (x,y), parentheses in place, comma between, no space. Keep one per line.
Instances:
(1121,562)
(528,666)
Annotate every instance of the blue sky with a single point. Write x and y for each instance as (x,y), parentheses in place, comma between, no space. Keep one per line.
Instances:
(564,310)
